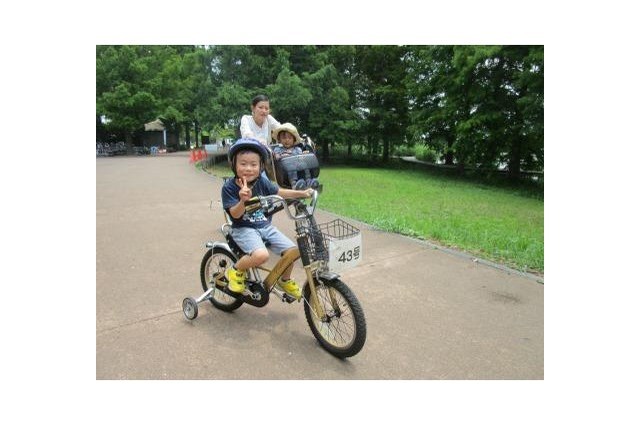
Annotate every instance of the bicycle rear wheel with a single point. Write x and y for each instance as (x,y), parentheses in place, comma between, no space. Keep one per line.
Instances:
(214,264)
(342,331)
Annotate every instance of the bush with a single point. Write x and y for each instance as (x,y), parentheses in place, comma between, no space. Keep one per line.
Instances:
(403,151)
(424,153)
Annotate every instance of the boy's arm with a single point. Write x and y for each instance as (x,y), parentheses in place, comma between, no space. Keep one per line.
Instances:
(232,202)
(292,193)
(237,211)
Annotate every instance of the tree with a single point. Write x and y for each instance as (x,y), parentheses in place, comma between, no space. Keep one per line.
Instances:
(384,95)
(197,90)
(290,97)
(504,124)
(229,103)
(479,105)
(432,112)
(330,106)
(136,84)
(121,91)
(350,123)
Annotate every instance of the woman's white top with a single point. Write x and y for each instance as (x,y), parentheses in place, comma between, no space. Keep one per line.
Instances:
(249,128)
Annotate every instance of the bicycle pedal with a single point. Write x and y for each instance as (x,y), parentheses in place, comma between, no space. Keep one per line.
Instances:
(287,298)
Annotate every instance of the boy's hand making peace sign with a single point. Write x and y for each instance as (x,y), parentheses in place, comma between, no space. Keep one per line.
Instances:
(245,191)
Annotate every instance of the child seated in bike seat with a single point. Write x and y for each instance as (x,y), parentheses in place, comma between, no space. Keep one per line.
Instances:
(251,230)
(287,136)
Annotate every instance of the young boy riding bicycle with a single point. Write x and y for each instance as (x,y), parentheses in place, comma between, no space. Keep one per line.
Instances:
(251,230)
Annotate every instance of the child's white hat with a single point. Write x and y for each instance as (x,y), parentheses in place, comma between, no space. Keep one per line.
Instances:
(286,127)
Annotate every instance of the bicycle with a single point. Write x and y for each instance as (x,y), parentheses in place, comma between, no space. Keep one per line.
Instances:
(331,309)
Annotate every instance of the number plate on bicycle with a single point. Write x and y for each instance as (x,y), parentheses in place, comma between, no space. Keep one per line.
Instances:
(345,253)
(337,243)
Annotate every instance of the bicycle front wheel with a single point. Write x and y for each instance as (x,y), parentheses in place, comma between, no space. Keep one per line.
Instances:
(342,330)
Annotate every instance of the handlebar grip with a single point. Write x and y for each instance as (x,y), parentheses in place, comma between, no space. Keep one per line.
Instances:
(252,204)
(273,210)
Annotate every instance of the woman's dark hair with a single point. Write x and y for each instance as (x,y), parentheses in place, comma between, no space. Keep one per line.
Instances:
(259,98)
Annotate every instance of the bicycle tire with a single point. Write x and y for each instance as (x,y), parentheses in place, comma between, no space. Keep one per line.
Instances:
(214,262)
(343,331)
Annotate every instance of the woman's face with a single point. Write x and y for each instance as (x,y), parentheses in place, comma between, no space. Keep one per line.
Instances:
(248,165)
(260,111)
(286,139)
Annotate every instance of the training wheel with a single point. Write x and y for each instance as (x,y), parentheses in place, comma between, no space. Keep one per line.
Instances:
(190,308)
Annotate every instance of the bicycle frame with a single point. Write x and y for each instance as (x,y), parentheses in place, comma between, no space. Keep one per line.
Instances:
(288,258)
(332,310)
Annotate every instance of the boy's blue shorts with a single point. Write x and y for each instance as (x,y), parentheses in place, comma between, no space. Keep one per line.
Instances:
(251,239)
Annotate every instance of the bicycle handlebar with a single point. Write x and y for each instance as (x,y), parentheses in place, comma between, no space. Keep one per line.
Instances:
(276,199)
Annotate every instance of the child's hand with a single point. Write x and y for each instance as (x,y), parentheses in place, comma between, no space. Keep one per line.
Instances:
(308,193)
(245,191)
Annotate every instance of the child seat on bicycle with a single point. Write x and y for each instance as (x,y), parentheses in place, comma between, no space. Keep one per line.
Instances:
(294,168)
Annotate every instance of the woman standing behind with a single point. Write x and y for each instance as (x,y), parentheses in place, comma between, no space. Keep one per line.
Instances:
(260,123)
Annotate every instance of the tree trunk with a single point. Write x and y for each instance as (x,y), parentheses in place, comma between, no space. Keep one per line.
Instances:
(448,153)
(385,149)
(325,150)
(196,131)
(177,135)
(187,135)
(515,158)
(128,141)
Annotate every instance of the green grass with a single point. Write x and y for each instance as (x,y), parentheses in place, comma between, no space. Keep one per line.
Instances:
(493,223)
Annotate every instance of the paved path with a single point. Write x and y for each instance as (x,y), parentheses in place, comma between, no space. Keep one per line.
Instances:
(430,314)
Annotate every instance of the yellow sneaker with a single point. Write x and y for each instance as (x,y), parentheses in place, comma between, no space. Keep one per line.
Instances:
(290,287)
(236,280)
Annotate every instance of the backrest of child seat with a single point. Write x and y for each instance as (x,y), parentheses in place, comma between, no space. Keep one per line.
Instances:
(296,163)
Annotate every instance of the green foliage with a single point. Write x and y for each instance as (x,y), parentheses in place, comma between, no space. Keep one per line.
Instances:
(383,95)
(229,104)
(128,108)
(137,84)
(485,102)
(329,113)
(424,153)
(220,132)
(289,96)
(475,106)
